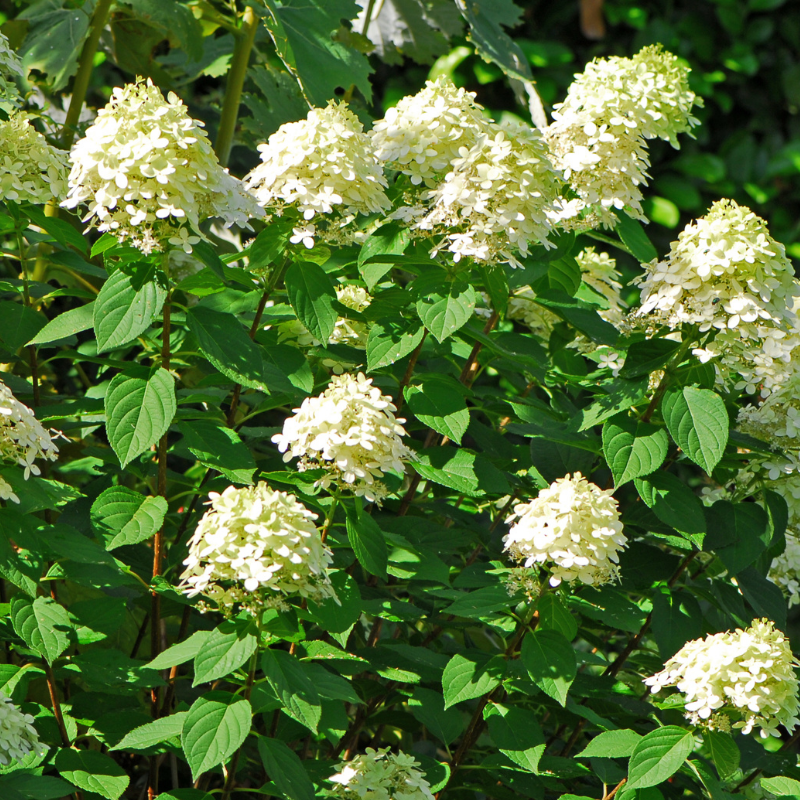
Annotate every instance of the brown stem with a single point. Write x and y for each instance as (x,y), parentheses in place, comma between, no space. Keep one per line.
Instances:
(140,635)
(412,362)
(471,367)
(51,687)
(615,789)
(173,673)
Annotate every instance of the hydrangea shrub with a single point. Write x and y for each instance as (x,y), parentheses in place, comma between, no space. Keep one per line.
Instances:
(371,475)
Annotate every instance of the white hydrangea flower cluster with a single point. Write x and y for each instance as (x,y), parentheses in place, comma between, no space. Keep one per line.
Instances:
(23,439)
(497,197)
(256,546)
(424,133)
(349,430)
(749,672)
(18,737)
(381,775)
(322,165)
(31,169)
(572,528)
(728,274)
(785,569)
(598,135)
(10,66)
(149,175)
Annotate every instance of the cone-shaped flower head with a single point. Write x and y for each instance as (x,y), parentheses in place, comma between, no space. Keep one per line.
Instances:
(424,133)
(497,198)
(785,569)
(726,272)
(748,673)
(149,175)
(598,135)
(23,439)
(572,529)
(322,165)
(18,737)
(349,430)
(256,546)
(10,68)
(31,169)
(381,775)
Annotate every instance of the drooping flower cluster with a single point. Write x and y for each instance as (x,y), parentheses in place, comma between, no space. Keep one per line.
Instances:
(381,775)
(424,133)
(149,175)
(18,737)
(31,169)
(497,198)
(10,67)
(572,528)
(256,546)
(726,273)
(322,165)
(23,439)
(748,672)
(599,133)
(349,430)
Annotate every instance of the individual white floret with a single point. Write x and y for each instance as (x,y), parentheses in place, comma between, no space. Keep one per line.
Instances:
(572,529)
(349,430)
(256,546)
(149,175)
(747,672)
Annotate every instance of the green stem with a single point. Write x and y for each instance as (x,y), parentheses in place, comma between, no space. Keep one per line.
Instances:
(26,295)
(367,17)
(234,85)
(82,77)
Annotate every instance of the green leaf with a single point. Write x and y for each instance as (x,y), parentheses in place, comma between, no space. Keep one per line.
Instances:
(43,625)
(225,343)
(20,324)
(658,756)
(644,357)
(763,595)
(698,422)
(285,769)
(633,449)
(635,239)
(673,502)
(67,324)
(554,616)
(677,618)
(64,233)
(551,663)
(286,369)
(305,37)
(389,239)
(737,533)
(293,687)
(516,734)
(389,342)
(367,541)
(181,652)
(611,744)
(443,314)
(214,728)
(33,787)
(122,312)
(609,606)
(468,678)
(725,754)
(564,274)
(461,470)
(481,602)
(175,20)
(219,447)
(313,298)
(124,517)
(270,244)
(495,282)
(782,787)
(338,614)
(139,411)
(579,314)
(153,733)
(428,709)
(225,649)
(440,404)
(92,772)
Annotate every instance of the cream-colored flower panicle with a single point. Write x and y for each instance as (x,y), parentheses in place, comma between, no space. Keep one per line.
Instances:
(748,673)
(727,273)
(10,68)
(598,135)
(572,529)
(31,169)
(255,547)
(149,175)
(785,569)
(381,775)
(18,737)
(498,198)
(349,430)
(424,133)
(322,165)
(23,439)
